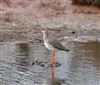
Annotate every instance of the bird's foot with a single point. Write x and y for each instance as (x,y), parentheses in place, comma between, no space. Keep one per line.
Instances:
(51,63)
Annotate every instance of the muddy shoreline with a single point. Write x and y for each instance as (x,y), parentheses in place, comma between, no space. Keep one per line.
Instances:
(25,23)
(62,34)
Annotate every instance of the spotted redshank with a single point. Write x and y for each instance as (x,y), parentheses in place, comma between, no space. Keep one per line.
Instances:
(52,45)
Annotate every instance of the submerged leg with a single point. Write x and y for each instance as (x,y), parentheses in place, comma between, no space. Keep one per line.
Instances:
(53,57)
(52,71)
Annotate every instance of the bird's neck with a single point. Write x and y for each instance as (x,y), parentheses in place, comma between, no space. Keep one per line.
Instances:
(45,36)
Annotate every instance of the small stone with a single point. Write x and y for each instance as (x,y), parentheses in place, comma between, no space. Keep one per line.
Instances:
(57,64)
(33,63)
(42,65)
(73,32)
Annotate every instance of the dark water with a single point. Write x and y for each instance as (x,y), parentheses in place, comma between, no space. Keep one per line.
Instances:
(27,64)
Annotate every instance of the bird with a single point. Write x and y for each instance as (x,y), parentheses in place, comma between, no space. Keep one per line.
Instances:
(52,44)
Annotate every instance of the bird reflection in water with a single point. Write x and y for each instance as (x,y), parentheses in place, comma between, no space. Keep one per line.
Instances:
(52,71)
(52,80)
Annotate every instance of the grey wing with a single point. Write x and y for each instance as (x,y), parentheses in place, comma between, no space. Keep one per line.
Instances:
(58,45)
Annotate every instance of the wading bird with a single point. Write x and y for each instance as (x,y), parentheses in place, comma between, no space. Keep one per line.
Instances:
(52,44)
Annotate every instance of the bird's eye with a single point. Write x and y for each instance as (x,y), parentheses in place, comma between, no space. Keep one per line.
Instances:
(42,29)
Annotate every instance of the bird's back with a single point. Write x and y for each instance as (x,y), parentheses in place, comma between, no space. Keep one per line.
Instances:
(56,44)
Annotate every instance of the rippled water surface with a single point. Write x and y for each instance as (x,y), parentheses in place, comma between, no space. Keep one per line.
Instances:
(28,64)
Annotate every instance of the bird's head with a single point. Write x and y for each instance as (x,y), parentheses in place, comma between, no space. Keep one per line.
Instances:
(44,30)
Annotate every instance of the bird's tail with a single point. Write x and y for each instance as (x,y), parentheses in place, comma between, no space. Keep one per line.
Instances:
(66,49)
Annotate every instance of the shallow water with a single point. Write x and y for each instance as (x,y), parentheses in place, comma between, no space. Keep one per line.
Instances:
(27,64)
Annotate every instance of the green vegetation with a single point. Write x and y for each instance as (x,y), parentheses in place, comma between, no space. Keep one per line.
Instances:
(87,2)
(97,3)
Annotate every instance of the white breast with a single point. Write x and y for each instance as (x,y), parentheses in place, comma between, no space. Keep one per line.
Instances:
(48,46)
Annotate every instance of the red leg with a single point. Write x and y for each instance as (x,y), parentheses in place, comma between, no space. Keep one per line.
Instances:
(53,57)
